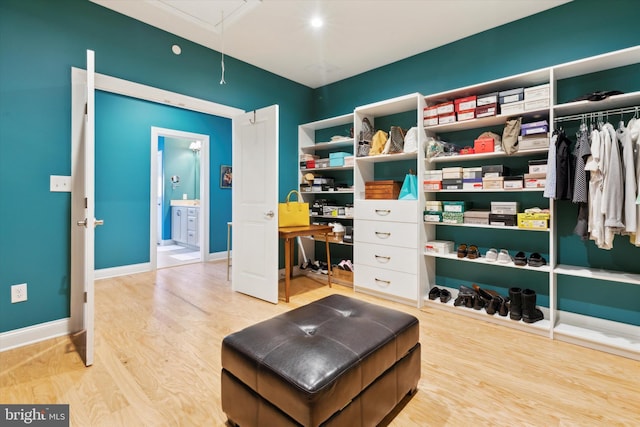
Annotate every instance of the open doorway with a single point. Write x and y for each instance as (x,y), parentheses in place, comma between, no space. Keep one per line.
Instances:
(179,234)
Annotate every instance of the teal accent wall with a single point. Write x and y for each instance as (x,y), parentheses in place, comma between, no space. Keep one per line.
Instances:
(40,40)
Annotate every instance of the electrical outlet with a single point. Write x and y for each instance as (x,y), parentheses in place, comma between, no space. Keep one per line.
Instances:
(18,293)
(59,183)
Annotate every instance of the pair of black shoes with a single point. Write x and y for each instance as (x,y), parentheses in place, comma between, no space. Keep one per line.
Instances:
(478,298)
(443,294)
(534,260)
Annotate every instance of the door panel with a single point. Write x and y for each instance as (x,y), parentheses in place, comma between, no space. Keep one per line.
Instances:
(255,201)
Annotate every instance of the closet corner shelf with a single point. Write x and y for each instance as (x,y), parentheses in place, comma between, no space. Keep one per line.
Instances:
(483,260)
(616,101)
(597,274)
(495,227)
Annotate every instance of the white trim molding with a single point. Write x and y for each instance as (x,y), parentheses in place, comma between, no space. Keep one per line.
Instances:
(33,334)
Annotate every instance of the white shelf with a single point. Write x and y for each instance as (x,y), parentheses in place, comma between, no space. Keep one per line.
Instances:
(350,191)
(540,327)
(330,217)
(387,107)
(485,156)
(497,227)
(598,274)
(381,158)
(329,168)
(516,190)
(612,102)
(331,145)
(483,260)
(615,337)
(597,63)
(484,122)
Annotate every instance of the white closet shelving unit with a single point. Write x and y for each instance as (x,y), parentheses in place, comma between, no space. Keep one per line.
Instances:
(307,144)
(390,235)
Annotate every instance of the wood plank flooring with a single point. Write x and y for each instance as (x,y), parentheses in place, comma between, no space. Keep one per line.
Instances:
(157,362)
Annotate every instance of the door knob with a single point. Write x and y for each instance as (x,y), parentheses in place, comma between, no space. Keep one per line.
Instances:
(96,222)
(270,214)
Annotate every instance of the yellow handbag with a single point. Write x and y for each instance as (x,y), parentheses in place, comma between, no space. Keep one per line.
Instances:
(293,214)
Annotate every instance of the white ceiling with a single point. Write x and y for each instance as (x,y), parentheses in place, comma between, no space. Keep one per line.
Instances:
(358,35)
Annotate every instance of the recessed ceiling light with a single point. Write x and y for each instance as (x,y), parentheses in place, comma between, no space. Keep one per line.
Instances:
(176,49)
(317,22)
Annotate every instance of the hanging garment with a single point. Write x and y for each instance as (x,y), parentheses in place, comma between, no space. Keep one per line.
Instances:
(550,182)
(582,151)
(630,185)
(564,161)
(596,178)
(613,194)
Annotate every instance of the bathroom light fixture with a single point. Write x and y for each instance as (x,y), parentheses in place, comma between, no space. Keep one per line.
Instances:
(195,146)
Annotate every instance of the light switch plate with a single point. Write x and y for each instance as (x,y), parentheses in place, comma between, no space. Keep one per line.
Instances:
(60,183)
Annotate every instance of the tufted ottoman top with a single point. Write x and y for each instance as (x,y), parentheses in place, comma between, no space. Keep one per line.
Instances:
(311,361)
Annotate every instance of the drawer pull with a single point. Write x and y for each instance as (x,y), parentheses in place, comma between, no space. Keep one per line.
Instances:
(382,234)
(384,258)
(383,283)
(383,212)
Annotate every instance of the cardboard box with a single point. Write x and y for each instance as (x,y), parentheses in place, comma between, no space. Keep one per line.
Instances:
(432,216)
(433,205)
(487,110)
(483,145)
(466,115)
(430,112)
(493,183)
(513,183)
(454,206)
(433,175)
(538,104)
(512,108)
(349,160)
(487,99)
(452,184)
(447,118)
(536,221)
(336,162)
(476,217)
(452,175)
(511,96)
(534,128)
(432,185)
(534,180)
(439,246)
(385,189)
(510,208)
(494,171)
(472,184)
(465,104)
(445,108)
(472,173)
(503,219)
(430,121)
(453,217)
(533,142)
(534,93)
(538,166)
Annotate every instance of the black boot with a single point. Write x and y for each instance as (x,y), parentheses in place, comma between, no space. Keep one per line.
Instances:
(530,313)
(515,307)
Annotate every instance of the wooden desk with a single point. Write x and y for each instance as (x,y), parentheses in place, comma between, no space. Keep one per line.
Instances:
(289,234)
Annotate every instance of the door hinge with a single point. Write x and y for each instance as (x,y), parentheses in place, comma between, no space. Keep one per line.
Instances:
(85,203)
(85,297)
(86,108)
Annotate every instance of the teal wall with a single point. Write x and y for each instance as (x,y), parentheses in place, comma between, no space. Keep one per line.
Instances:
(40,40)
(572,31)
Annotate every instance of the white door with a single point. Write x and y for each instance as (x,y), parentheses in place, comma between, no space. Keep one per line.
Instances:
(255,204)
(82,207)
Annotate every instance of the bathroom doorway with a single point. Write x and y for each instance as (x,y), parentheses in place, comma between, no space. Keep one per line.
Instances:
(180,206)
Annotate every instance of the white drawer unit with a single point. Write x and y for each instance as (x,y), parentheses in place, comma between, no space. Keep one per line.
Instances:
(393,283)
(386,210)
(388,257)
(386,233)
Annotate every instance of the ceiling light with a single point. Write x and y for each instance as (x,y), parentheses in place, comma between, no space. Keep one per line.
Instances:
(176,49)
(317,22)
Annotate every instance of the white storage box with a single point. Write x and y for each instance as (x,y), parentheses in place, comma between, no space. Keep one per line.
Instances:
(439,247)
(509,208)
(512,108)
(537,92)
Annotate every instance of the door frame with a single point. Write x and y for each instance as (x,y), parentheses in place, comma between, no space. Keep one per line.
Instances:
(128,88)
(203,185)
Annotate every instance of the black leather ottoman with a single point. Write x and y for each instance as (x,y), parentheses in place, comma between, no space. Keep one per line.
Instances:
(337,361)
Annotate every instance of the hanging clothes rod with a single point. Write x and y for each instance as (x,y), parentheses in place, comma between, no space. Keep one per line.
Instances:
(612,112)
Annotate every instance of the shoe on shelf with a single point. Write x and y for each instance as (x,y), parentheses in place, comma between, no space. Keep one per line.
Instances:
(473,252)
(536,260)
(434,293)
(491,255)
(504,257)
(462,251)
(520,259)
(445,296)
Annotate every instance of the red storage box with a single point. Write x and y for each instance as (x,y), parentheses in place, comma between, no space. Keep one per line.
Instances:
(431,111)
(483,145)
(465,104)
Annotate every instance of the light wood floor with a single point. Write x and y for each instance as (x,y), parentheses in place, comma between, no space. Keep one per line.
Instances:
(157,362)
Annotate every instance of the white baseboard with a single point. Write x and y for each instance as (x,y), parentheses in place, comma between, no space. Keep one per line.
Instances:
(215,256)
(32,334)
(105,273)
